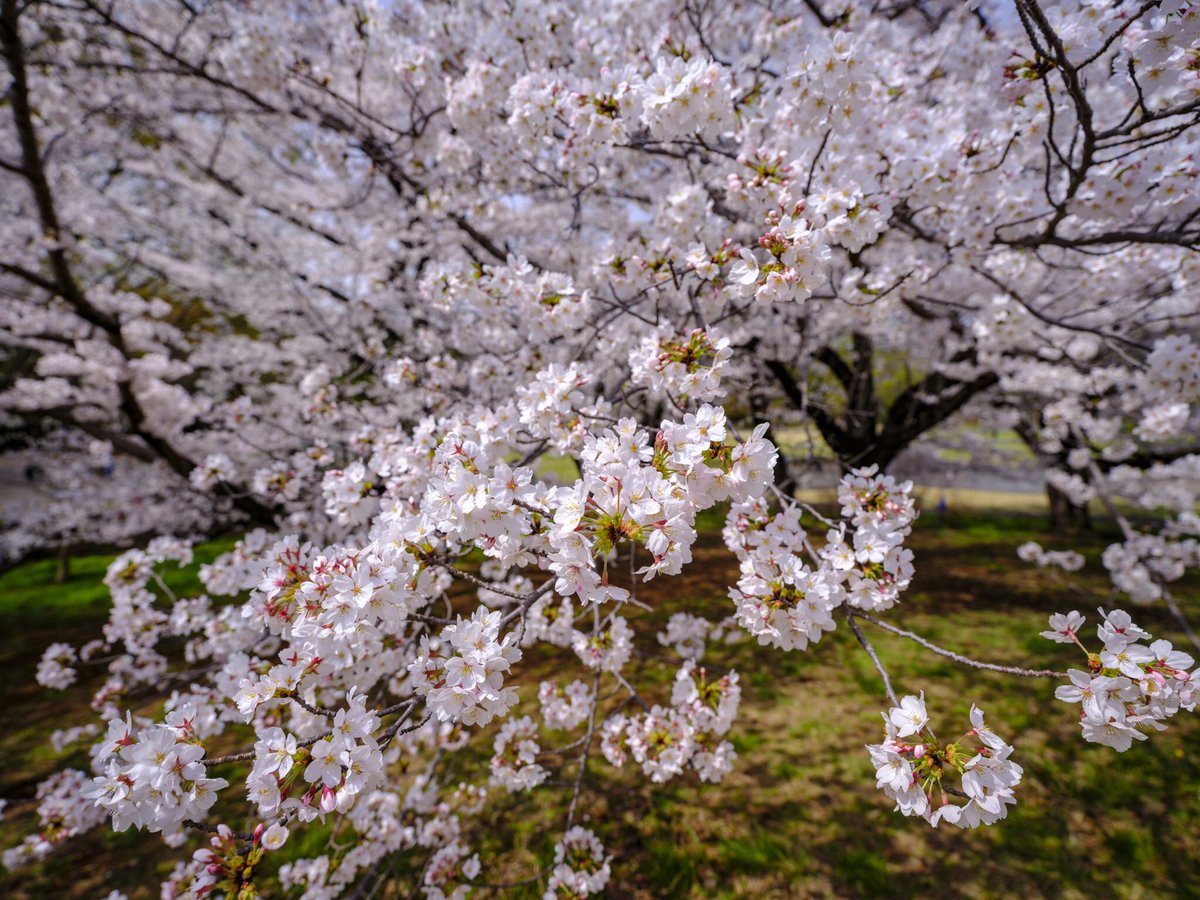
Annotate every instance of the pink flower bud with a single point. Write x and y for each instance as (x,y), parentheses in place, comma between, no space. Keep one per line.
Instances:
(328,800)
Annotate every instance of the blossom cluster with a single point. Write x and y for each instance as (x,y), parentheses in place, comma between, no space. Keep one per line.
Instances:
(789,590)
(580,866)
(564,707)
(514,764)
(684,98)
(881,511)
(307,780)
(1067,560)
(1129,686)
(61,816)
(154,779)
(647,495)
(797,259)
(686,367)
(688,733)
(227,866)
(912,766)
(461,672)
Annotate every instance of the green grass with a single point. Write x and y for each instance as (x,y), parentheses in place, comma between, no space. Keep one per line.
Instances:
(29,595)
(557,469)
(799,816)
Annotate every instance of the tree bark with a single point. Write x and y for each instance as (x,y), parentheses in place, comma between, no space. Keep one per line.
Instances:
(1065,516)
(865,434)
(62,570)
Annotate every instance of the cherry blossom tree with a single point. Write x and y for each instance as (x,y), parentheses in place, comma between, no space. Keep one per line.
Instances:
(340,277)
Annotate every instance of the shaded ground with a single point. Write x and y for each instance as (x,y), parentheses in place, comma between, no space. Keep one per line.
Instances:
(799,816)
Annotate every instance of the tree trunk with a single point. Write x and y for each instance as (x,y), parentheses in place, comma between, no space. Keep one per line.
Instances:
(1065,516)
(63,570)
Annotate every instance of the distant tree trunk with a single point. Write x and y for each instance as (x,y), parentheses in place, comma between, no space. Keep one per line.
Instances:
(867,433)
(63,570)
(1065,516)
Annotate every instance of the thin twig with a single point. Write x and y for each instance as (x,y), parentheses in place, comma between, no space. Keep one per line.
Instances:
(862,639)
(1130,534)
(587,746)
(958,657)
(1175,611)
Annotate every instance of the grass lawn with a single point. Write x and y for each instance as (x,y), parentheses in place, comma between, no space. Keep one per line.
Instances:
(800,815)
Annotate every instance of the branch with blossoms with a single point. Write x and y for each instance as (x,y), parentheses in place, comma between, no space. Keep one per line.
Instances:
(1132,539)
(428,259)
(323,747)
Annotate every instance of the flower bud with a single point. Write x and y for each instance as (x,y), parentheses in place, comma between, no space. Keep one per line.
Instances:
(328,800)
